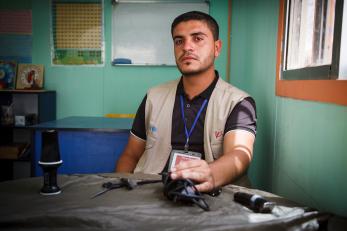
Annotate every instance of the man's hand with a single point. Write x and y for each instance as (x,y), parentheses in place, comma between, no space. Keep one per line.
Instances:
(196,170)
(238,149)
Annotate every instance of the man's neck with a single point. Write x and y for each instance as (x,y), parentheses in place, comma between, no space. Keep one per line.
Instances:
(194,85)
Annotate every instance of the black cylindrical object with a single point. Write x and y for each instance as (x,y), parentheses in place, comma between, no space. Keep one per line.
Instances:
(254,202)
(50,161)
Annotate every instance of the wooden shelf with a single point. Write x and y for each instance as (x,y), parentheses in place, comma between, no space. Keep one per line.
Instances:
(13,151)
(17,141)
(24,91)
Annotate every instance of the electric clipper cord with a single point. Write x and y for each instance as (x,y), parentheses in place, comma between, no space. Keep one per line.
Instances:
(183,190)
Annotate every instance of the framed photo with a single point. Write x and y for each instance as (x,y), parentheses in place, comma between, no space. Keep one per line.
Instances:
(30,76)
(8,74)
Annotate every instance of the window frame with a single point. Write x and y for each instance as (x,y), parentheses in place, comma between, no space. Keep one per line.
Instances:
(327,90)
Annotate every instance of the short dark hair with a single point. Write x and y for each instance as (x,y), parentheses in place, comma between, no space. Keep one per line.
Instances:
(200,16)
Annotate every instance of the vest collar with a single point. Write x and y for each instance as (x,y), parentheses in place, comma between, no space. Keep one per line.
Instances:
(206,94)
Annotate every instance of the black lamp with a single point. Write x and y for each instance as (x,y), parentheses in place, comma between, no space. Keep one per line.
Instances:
(50,161)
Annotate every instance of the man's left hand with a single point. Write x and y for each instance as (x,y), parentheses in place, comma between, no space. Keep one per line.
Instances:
(196,170)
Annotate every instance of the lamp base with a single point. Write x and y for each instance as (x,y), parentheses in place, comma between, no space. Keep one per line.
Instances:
(50,190)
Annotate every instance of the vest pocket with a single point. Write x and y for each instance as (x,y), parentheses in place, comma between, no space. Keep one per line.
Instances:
(150,141)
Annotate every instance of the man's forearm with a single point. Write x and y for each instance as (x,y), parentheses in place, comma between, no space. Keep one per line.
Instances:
(238,149)
(131,155)
(230,167)
(125,164)
(238,152)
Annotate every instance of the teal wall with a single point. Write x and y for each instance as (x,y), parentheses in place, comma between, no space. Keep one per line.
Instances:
(301,146)
(95,91)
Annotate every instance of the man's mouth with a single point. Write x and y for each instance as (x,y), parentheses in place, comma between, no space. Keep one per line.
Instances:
(188,58)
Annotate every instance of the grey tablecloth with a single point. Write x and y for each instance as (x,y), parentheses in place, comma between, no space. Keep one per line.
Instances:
(144,208)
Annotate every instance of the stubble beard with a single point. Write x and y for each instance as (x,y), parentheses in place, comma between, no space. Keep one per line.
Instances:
(200,70)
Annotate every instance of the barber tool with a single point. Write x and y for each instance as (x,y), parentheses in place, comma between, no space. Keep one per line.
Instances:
(49,162)
(123,183)
(215,192)
(184,191)
(254,202)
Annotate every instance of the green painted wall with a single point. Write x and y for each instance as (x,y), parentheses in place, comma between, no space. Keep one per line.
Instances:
(253,52)
(95,91)
(301,148)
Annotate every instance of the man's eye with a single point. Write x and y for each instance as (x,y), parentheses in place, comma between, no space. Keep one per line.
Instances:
(197,38)
(178,41)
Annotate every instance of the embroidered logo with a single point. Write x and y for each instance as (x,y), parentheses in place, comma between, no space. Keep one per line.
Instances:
(152,129)
(218,134)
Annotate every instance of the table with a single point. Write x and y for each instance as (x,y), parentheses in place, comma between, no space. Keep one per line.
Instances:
(87,144)
(143,208)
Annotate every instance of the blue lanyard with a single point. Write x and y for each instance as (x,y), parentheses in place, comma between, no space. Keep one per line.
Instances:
(186,146)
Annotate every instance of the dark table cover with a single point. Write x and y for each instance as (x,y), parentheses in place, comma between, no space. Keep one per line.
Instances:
(143,208)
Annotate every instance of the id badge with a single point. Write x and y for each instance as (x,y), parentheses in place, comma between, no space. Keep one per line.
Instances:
(177,156)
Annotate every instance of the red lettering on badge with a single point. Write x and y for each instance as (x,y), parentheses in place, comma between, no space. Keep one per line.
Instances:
(218,134)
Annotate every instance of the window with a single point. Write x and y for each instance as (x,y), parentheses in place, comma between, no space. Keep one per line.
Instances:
(309,39)
(309,51)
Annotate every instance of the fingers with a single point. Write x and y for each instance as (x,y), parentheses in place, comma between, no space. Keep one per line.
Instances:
(192,169)
(188,164)
(205,186)
(191,173)
(196,170)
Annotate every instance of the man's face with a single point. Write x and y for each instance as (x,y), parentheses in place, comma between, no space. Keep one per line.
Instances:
(194,47)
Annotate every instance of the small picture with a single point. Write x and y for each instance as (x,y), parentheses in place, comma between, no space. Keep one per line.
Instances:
(7,115)
(30,76)
(8,74)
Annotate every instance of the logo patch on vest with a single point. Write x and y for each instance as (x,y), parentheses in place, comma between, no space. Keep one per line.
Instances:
(153,129)
(218,134)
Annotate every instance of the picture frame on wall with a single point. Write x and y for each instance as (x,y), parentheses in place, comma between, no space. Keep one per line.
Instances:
(29,77)
(8,74)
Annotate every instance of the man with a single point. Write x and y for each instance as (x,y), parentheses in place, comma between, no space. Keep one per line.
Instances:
(197,115)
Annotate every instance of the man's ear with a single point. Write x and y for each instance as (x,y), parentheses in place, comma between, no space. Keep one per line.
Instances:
(217,47)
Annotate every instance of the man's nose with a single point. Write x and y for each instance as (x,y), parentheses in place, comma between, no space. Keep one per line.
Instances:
(188,45)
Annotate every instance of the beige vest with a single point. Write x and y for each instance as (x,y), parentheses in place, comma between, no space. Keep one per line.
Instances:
(158,116)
